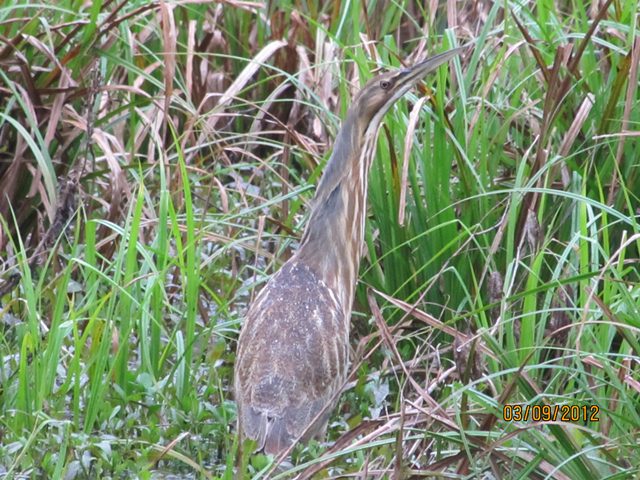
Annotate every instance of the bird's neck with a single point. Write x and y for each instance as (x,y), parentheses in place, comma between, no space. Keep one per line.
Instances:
(332,243)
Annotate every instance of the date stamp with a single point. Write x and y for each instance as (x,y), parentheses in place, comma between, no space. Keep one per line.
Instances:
(550,413)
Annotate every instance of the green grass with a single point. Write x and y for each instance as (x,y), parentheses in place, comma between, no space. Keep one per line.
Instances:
(511,277)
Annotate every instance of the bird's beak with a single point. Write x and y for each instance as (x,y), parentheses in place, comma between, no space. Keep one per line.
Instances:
(419,70)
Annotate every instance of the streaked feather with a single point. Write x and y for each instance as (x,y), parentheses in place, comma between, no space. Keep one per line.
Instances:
(292,358)
(293,349)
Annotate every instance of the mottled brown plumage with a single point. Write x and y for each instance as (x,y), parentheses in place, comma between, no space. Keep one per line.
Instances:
(293,349)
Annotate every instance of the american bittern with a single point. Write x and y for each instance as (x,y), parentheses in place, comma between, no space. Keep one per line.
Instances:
(293,349)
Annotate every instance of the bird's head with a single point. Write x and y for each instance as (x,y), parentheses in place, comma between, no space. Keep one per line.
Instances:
(382,91)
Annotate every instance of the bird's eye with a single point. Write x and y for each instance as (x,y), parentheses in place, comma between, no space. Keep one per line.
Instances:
(385,84)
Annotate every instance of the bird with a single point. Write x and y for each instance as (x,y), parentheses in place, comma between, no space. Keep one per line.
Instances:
(293,350)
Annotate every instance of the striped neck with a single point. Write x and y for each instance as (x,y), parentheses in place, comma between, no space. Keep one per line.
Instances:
(332,243)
